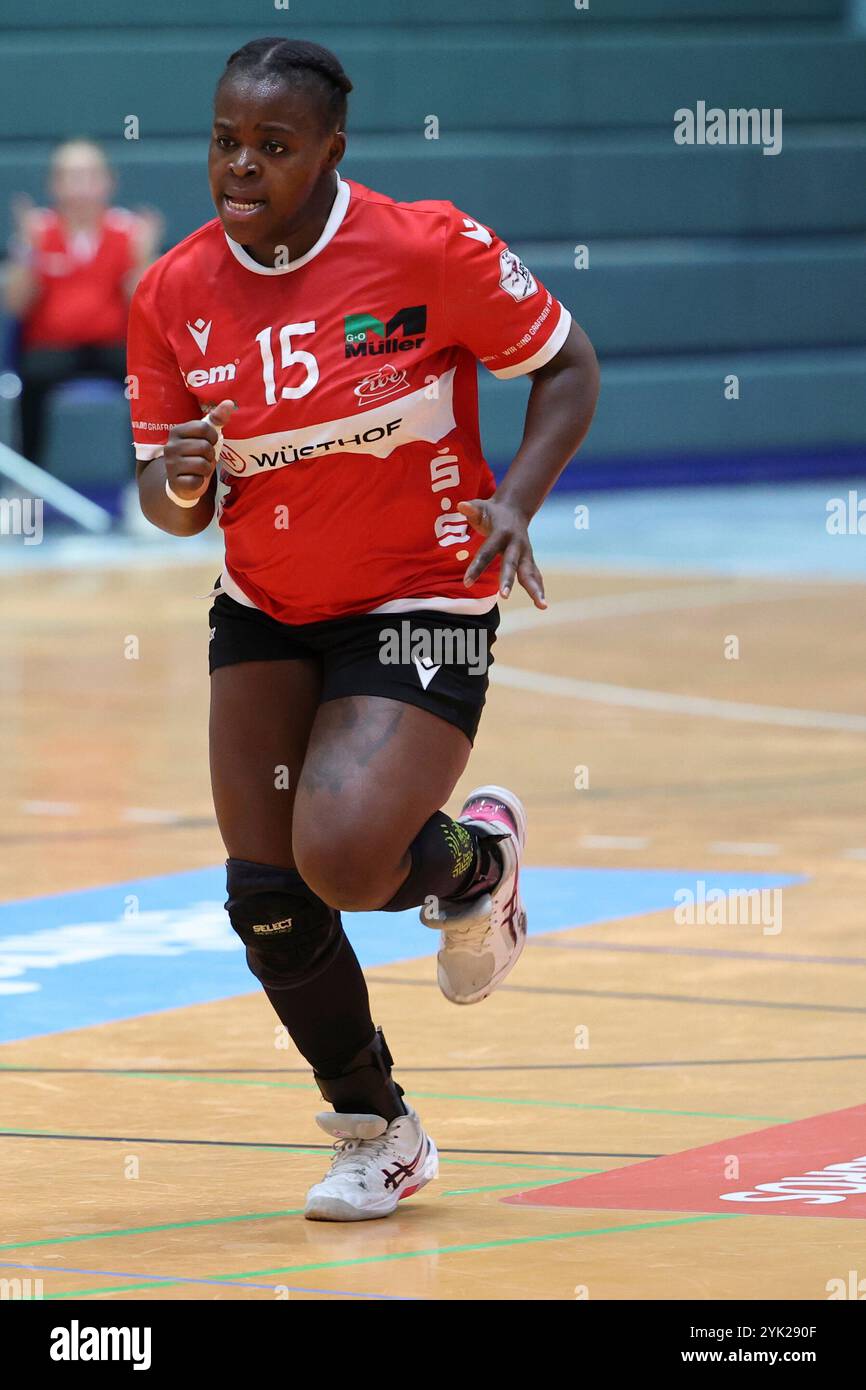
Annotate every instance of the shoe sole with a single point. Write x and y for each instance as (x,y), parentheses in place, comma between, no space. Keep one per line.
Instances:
(335,1209)
(516,807)
(514,804)
(497,978)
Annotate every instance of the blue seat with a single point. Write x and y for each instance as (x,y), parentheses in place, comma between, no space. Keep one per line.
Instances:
(87,436)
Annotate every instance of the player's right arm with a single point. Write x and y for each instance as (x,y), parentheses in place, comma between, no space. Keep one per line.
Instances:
(174,445)
(188,465)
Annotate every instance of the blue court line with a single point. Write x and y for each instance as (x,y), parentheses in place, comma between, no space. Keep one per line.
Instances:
(220,1283)
(73,960)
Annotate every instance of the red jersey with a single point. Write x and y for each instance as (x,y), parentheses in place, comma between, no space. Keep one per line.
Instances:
(82,294)
(353,368)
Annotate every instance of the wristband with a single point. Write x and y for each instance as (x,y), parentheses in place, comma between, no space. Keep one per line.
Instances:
(181,501)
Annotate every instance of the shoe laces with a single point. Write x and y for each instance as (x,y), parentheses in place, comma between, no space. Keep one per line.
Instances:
(352,1157)
(473,936)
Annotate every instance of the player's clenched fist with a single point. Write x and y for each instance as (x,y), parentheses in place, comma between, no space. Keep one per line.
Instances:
(190,454)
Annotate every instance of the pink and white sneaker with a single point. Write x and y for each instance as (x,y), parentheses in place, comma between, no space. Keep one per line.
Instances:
(482,940)
(375,1165)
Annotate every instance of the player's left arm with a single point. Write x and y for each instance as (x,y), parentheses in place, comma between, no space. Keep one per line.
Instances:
(561,405)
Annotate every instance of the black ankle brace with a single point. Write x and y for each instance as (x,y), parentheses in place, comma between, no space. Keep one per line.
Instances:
(364,1085)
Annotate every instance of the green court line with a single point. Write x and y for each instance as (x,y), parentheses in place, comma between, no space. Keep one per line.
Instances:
(536,1167)
(410,1254)
(221,1080)
(449,1095)
(149,1230)
(580,1105)
(480,1245)
(496,1187)
(289,1211)
(479,1100)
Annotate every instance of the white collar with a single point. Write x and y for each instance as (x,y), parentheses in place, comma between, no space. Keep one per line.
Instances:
(335,217)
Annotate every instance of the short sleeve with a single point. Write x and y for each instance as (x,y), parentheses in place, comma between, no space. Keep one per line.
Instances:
(158,396)
(493,303)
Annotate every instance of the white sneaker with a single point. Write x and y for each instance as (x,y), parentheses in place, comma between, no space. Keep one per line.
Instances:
(375,1165)
(482,940)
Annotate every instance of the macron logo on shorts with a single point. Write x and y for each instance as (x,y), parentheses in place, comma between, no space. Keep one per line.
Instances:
(426,670)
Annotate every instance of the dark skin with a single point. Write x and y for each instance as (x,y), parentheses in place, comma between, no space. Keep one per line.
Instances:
(366,772)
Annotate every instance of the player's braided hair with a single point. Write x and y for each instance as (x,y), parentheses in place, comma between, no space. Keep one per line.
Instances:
(297,59)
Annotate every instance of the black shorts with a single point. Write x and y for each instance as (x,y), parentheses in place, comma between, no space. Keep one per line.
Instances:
(435,660)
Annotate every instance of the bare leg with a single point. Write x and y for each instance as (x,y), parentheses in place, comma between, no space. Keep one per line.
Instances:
(374,772)
(261,715)
(260,721)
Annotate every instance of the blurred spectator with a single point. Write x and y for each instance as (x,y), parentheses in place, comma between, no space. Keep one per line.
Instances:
(72,271)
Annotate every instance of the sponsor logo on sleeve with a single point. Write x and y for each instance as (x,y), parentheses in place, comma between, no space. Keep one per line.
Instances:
(515,278)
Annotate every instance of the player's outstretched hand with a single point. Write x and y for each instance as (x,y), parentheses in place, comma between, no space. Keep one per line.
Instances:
(26,217)
(507,535)
(190,454)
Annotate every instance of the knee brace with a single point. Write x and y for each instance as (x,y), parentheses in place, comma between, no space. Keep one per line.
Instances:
(290,934)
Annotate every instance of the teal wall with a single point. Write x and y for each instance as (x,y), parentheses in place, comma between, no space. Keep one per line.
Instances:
(556,127)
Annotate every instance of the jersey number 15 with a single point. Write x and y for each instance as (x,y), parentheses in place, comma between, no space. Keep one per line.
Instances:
(289,357)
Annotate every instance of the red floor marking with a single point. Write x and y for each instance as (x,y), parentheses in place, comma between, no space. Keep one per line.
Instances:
(814,1167)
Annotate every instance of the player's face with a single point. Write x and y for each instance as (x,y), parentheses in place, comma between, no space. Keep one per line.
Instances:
(80,179)
(269,154)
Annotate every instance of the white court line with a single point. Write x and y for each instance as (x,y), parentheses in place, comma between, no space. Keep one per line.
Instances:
(642,601)
(143,815)
(742,847)
(614,841)
(49,808)
(663,702)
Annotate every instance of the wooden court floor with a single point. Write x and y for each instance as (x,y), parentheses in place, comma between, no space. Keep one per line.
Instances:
(167,1155)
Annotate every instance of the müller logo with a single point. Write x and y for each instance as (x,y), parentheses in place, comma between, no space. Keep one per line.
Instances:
(366,335)
(818,1187)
